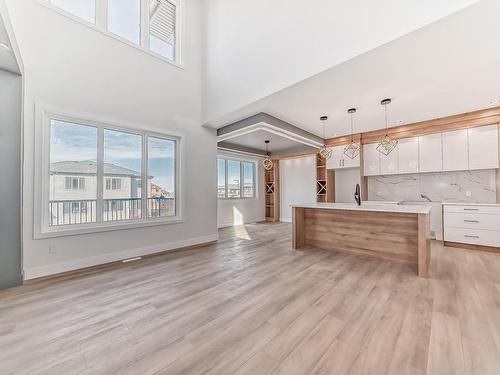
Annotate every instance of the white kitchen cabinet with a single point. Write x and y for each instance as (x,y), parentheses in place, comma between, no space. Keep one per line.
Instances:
(472,224)
(408,155)
(430,156)
(371,160)
(455,151)
(389,163)
(483,147)
(339,160)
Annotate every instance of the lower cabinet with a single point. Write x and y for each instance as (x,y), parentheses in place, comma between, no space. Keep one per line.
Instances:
(472,224)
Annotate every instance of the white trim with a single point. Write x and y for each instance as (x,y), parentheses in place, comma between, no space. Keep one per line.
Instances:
(102,28)
(51,269)
(43,114)
(271,129)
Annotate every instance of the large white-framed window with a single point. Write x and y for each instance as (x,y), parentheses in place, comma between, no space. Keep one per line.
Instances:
(236,178)
(91,173)
(153,26)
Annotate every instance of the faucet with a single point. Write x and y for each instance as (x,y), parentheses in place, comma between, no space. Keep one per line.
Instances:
(423,196)
(357,195)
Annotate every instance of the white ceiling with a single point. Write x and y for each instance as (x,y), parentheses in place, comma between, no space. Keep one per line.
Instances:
(7,58)
(449,67)
(256,140)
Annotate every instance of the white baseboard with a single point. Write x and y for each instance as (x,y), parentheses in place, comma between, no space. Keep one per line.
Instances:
(52,269)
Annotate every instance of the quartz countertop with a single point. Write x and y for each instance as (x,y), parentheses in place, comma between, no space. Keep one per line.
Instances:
(410,209)
(470,204)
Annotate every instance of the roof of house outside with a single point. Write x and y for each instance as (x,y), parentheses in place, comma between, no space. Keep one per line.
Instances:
(90,167)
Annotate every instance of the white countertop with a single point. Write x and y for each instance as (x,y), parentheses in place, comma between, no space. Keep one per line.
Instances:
(470,204)
(410,209)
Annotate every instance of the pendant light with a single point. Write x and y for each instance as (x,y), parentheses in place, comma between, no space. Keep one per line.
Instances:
(267,163)
(387,144)
(324,151)
(352,149)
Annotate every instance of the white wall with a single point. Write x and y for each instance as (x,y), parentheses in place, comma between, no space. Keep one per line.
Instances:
(249,41)
(297,183)
(71,66)
(242,211)
(345,184)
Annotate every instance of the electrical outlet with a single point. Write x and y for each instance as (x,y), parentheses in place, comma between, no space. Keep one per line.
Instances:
(468,193)
(52,249)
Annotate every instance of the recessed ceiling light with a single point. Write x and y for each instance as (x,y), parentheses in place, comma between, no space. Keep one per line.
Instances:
(4,45)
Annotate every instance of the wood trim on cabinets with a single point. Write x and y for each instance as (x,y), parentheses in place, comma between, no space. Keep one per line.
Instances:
(472,247)
(444,124)
(462,121)
(344,140)
(277,200)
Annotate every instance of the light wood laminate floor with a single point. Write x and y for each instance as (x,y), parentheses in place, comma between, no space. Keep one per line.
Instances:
(249,304)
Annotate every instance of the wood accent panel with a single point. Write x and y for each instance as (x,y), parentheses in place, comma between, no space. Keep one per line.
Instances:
(385,235)
(465,120)
(363,180)
(344,140)
(297,227)
(489,249)
(277,199)
(455,122)
(424,244)
(330,185)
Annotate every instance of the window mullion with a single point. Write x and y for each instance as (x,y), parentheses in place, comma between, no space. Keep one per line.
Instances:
(242,172)
(101,17)
(100,175)
(145,23)
(226,186)
(144,178)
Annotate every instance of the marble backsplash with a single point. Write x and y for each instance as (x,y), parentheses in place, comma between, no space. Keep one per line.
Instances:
(439,187)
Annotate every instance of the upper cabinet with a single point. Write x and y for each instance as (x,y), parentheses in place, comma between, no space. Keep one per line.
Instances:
(408,155)
(458,150)
(371,160)
(339,160)
(389,163)
(430,157)
(483,147)
(455,151)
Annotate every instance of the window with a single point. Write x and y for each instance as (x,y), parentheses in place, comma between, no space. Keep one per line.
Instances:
(236,178)
(96,174)
(162,29)
(124,19)
(85,9)
(161,182)
(75,183)
(150,25)
(221,179)
(115,184)
(73,153)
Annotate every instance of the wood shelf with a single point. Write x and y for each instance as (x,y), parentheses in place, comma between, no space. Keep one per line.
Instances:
(325,182)
(271,188)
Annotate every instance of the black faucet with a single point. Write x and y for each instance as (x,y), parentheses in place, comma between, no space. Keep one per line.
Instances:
(357,195)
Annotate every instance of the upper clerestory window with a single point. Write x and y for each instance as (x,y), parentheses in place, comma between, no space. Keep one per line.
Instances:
(150,25)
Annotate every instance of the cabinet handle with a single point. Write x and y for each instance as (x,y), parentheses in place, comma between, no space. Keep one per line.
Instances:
(471,209)
(470,236)
(471,221)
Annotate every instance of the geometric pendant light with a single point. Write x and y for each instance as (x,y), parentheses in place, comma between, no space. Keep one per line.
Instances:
(324,151)
(267,163)
(387,144)
(352,149)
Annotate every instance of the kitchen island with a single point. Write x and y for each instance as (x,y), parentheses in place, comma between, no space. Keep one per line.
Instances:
(392,232)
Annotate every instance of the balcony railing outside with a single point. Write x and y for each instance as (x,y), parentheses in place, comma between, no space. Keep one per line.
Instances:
(70,212)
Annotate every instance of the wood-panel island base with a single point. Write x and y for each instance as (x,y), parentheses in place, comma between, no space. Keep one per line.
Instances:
(391,232)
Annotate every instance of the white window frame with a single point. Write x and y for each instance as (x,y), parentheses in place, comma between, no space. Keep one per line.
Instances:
(242,176)
(43,116)
(101,25)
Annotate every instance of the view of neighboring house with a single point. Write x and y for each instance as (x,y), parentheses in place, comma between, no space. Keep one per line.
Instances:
(73,191)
